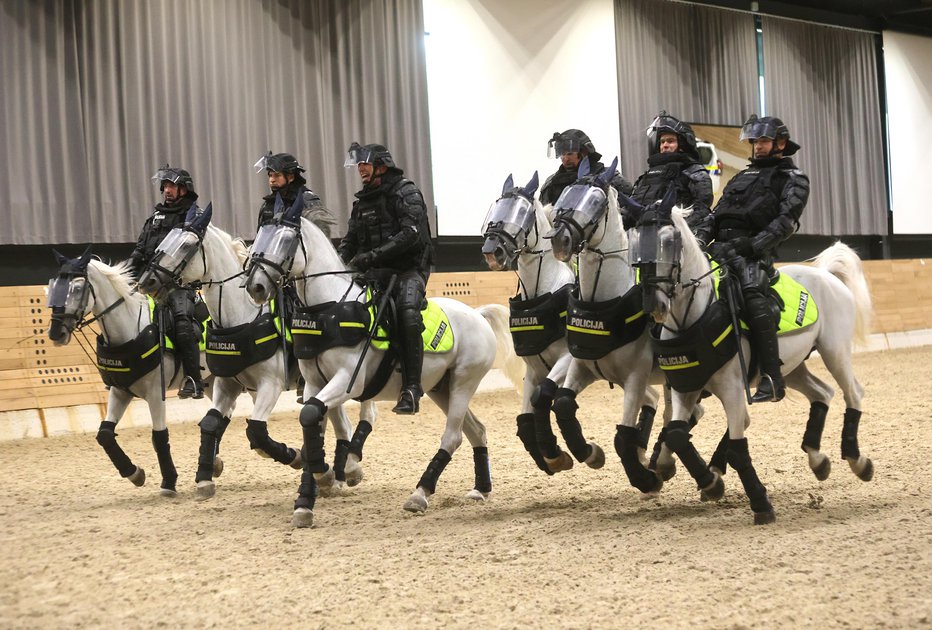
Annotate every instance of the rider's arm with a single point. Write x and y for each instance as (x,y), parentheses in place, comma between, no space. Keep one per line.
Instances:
(317,213)
(700,189)
(792,202)
(137,260)
(349,245)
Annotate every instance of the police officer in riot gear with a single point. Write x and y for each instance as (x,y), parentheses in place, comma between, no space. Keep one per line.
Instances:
(178,195)
(388,234)
(759,209)
(286,178)
(674,160)
(572,147)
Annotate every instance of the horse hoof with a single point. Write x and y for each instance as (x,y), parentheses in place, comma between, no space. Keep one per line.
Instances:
(666,473)
(764,518)
(354,476)
(325,480)
(655,493)
(867,470)
(823,470)
(262,453)
(297,463)
(205,490)
(302,517)
(477,495)
(714,491)
(218,466)
(596,458)
(416,504)
(561,462)
(138,478)
(169,493)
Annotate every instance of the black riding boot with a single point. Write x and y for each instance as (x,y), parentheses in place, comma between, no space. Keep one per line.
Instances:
(190,356)
(771,387)
(412,357)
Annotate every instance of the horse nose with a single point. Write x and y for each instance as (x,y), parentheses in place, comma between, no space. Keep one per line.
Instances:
(146,283)
(57,333)
(562,243)
(257,291)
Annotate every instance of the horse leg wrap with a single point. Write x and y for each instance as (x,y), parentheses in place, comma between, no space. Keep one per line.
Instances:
(480,458)
(678,440)
(434,468)
(363,429)
(849,434)
(212,428)
(655,454)
(223,427)
(106,437)
(627,441)
(541,401)
(307,491)
(740,460)
(257,432)
(814,426)
(720,456)
(339,460)
(645,425)
(529,438)
(164,454)
(564,408)
(312,426)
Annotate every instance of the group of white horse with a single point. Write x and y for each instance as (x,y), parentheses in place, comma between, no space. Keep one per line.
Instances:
(579,300)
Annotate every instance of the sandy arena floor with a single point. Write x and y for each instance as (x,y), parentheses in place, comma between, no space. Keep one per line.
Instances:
(80,547)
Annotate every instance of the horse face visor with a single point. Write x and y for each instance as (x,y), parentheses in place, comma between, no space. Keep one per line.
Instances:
(512,217)
(68,293)
(275,245)
(655,248)
(581,206)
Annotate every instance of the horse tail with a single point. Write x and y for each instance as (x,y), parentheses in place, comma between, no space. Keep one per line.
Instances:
(505,358)
(843,263)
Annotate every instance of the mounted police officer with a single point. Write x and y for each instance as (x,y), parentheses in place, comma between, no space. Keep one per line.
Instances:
(388,234)
(178,195)
(674,160)
(759,209)
(286,179)
(572,147)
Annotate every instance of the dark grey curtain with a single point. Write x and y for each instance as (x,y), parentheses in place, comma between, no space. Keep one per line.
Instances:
(698,63)
(98,94)
(822,81)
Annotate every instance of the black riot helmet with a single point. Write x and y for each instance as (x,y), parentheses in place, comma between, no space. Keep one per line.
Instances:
(177,176)
(571,141)
(279,163)
(373,154)
(768,127)
(665,123)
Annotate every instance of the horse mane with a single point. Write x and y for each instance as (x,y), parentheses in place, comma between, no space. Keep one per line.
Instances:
(238,246)
(310,226)
(693,256)
(320,216)
(120,276)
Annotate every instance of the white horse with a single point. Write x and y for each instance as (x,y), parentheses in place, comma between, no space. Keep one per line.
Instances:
(514,235)
(678,282)
(203,253)
(127,323)
(606,326)
(299,250)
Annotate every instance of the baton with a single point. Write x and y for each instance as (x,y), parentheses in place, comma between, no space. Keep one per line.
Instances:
(375,325)
(733,307)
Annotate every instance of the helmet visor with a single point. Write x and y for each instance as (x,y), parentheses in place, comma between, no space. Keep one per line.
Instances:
(559,144)
(275,243)
(358,154)
(510,215)
(167,175)
(586,203)
(754,129)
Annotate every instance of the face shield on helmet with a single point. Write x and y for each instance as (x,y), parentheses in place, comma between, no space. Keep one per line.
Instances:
(560,144)
(279,163)
(664,123)
(177,176)
(511,216)
(275,244)
(67,292)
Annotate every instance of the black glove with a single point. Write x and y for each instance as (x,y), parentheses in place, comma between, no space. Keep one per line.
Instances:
(743,246)
(721,251)
(363,261)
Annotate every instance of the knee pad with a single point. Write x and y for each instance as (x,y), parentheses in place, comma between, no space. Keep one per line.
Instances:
(213,423)
(738,456)
(544,393)
(312,413)
(677,435)
(564,403)
(106,434)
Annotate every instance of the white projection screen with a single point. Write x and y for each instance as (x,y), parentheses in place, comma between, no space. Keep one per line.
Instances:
(908,68)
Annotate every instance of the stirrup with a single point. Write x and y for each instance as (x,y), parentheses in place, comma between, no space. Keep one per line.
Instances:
(767,391)
(408,402)
(191,389)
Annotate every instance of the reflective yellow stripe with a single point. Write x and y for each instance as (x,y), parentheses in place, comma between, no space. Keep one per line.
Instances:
(637,315)
(523,328)
(563,314)
(679,367)
(112,369)
(352,325)
(226,352)
(150,351)
(606,333)
(264,339)
(721,337)
(304,331)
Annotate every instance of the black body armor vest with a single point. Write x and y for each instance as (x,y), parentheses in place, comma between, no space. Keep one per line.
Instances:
(593,329)
(751,199)
(538,322)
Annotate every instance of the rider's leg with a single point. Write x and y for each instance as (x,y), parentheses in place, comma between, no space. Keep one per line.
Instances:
(760,320)
(181,303)
(409,299)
